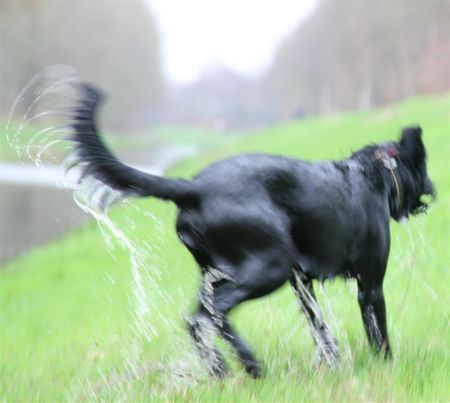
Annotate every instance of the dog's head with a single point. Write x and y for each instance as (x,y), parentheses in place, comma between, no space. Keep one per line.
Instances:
(413,174)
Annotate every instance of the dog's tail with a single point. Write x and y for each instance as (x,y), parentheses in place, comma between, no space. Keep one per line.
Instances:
(99,162)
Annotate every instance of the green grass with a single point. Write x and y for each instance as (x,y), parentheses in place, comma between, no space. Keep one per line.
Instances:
(68,318)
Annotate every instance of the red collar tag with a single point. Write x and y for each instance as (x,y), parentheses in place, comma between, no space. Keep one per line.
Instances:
(391,151)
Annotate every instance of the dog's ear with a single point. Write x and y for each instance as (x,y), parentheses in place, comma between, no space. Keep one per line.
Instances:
(411,142)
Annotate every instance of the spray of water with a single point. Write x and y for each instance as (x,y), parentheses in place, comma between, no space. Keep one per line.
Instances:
(48,99)
(406,262)
(336,324)
(95,198)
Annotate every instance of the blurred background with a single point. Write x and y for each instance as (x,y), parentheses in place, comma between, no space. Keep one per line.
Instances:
(230,64)
(212,68)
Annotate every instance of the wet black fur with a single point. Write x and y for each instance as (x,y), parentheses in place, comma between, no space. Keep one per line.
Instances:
(252,220)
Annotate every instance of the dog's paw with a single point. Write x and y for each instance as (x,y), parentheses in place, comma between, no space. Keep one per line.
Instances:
(253,369)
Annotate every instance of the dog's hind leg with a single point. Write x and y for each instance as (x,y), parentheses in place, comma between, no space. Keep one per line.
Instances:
(203,327)
(252,278)
(325,341)
(246,356)
(209,319)
(203,331)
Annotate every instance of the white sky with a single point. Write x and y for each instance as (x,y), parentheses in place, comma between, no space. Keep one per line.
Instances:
(242,34)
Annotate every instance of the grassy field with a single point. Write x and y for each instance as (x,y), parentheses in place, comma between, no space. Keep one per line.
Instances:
(76,326)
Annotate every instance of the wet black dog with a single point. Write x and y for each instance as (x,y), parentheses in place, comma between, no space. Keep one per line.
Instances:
(254,221)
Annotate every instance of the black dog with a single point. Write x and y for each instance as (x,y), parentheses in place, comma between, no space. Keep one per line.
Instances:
(254,221)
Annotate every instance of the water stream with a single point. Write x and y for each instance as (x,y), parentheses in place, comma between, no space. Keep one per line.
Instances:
(55,88)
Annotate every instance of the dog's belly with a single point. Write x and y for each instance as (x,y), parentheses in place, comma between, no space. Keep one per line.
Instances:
(322,269)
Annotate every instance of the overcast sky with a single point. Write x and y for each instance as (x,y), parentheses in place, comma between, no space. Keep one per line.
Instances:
(242,34)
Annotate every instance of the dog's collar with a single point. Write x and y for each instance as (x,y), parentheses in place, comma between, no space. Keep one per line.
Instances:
(387,157)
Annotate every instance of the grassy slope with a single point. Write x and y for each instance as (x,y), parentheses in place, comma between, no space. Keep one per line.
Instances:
(67,309)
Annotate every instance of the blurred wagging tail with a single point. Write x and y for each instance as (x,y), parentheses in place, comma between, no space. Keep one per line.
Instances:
(255,221)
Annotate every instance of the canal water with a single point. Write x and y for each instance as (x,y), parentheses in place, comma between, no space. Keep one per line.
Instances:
(36,209)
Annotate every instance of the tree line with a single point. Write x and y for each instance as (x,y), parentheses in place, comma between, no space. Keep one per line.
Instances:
(361,54)
(112,43)
(349,54)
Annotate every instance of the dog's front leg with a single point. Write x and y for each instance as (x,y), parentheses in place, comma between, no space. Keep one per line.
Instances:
(373,310)
(325,341)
